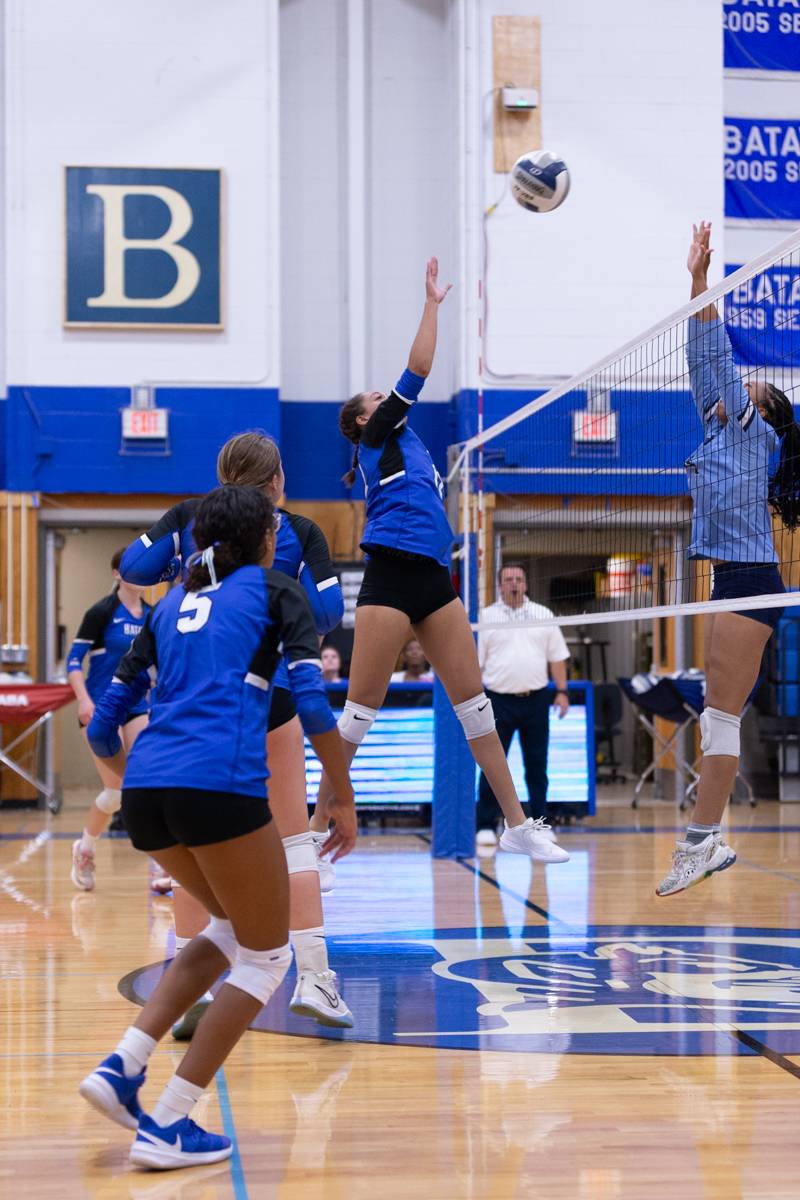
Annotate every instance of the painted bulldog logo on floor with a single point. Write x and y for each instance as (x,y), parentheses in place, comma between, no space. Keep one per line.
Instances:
(608,990)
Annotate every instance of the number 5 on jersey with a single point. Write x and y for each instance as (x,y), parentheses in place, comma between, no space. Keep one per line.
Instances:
(200,609)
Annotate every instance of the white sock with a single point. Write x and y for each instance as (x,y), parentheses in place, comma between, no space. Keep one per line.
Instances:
(310,950)
(176,1101)
(180,942)
(135,1049)
(88,841)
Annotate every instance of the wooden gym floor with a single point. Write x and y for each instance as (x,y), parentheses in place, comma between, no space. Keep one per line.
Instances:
(520,1031)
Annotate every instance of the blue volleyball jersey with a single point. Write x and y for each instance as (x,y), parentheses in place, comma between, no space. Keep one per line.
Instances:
(301,552)
(106,633)
(729,474)
(214,654)
(404,491)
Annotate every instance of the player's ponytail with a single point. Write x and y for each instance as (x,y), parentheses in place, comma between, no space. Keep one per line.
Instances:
(348,425)
(230,526)
(784,487)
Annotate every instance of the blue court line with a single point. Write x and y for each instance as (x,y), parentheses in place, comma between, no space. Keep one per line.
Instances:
(237,1171)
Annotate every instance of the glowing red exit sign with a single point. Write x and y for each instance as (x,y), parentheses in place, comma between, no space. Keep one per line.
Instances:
(143,423)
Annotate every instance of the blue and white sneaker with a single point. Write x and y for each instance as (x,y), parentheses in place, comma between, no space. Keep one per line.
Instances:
(182,1144)
(113,1093)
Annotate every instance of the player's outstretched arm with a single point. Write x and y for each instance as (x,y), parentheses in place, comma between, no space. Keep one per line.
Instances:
(697,263)
(420,358)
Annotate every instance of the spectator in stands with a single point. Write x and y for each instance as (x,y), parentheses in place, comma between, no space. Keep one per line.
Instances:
(331,664)
(413,666)
(517,660)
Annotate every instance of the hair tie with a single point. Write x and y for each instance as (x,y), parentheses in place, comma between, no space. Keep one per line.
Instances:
(207,559)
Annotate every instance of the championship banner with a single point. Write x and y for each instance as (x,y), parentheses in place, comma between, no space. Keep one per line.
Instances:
(762,317)
(762,35)
(762,169)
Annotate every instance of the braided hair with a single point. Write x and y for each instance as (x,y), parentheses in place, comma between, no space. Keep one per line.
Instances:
(233,522)
(784,486)
(348,425)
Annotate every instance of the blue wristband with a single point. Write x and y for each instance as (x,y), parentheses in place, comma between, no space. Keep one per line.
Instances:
(409,385)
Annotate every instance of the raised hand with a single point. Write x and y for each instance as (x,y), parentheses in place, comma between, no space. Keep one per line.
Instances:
(432,289)
(699,256)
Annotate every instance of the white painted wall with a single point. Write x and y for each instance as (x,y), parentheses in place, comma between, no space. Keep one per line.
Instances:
(334,292)
(187,83)
(313,159)
(631,97)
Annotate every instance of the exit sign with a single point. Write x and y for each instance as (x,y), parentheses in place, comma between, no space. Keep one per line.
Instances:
(145,424)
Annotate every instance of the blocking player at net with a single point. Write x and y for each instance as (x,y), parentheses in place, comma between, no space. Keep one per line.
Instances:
(195,798)
(734,488)
(106,633)
(407,582)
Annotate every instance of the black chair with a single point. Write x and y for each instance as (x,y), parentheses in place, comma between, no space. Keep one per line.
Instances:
(607,726)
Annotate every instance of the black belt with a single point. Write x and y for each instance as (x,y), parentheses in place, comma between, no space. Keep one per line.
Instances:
(520,695)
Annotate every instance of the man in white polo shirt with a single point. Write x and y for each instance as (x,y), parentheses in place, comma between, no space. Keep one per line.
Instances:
(516,663)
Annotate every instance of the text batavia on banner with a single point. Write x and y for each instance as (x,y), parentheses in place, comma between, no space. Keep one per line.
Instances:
(762,169)
(143,248)
(762,35)
(763,317)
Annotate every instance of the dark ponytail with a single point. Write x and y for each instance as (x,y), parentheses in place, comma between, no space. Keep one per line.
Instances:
(784,487)
(233,521)
(349,426)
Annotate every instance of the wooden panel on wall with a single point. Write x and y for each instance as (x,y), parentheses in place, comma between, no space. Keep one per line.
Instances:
(342,522)
(516,62)
(18,518)
(18,512)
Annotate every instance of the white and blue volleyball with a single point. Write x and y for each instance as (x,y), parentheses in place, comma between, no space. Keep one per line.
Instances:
(539,181)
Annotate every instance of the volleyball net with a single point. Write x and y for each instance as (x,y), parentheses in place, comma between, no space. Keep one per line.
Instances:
(603,486)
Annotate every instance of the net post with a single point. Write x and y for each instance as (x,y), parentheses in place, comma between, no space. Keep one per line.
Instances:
(453,783)
(453,765)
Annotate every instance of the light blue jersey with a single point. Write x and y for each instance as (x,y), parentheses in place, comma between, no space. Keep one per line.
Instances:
(729,474)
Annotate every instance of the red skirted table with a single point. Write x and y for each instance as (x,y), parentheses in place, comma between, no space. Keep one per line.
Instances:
(33,705)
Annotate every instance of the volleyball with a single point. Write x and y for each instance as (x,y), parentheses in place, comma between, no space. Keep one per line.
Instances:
(539,181)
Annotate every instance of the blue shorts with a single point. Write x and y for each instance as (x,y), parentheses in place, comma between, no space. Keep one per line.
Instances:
(732,580)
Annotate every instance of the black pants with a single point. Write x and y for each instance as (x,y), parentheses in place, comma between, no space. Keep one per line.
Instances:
(531,716)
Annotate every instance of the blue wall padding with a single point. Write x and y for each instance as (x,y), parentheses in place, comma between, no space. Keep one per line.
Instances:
(68,439)
(453,783)
(316,456)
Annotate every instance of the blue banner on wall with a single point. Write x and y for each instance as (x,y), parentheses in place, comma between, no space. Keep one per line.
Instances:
(763,317)
(762,35)
(762,169)
(143,248)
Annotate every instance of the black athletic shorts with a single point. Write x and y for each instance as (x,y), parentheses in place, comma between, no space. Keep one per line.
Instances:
(417,587)
(141,710)
(158,818)
(281,708)
(732,580)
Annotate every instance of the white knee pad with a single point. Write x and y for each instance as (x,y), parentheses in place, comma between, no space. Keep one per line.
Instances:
(301,853)
(220,932)
(476,716)
(109,801)
(719,732)
(355,721)
(259,972)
